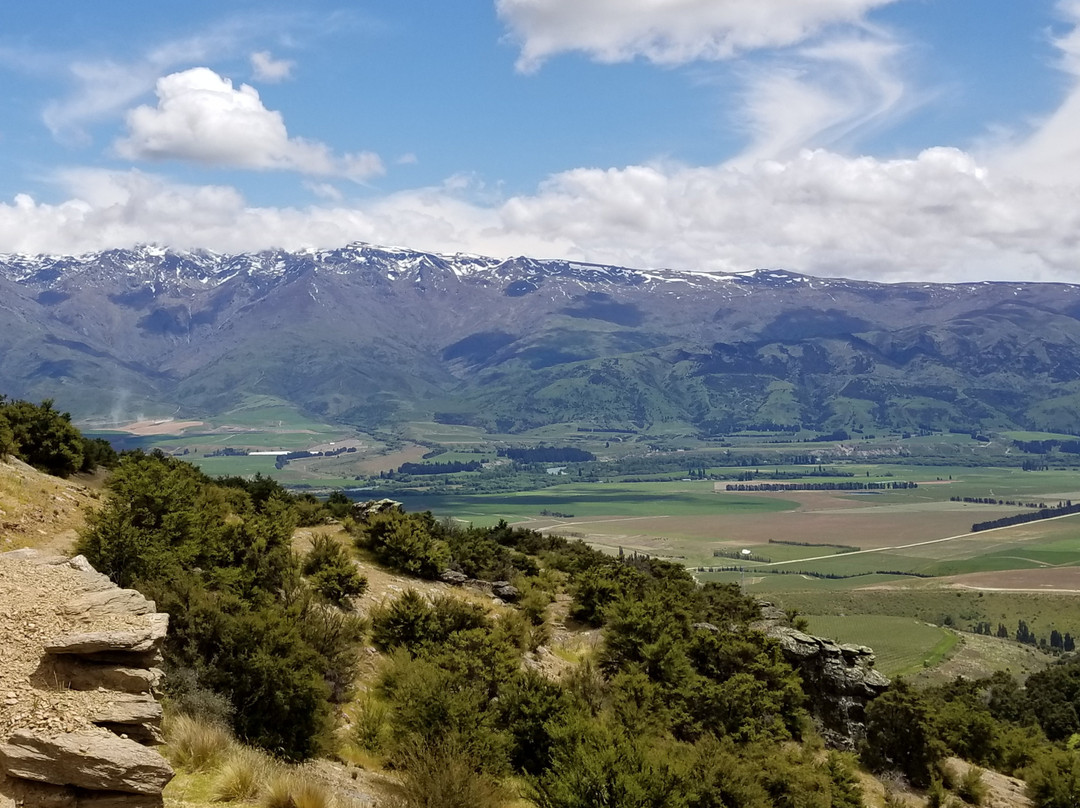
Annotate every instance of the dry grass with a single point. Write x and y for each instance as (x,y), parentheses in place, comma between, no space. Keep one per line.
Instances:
(195,744)
(241,776)
(442,777)
(40,511)
(287,789)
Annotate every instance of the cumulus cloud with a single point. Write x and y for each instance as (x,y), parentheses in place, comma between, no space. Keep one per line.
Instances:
(668,31)
(105,87)
(202,118)
(266,68)
(935,217)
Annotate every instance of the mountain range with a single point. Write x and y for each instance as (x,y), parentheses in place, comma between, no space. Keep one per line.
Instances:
(372,336)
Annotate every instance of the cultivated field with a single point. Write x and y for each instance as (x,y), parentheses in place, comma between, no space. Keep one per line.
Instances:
(902,645)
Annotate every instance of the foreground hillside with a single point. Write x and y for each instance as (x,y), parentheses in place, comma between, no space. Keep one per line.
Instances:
(39,510)
(368,336)
(466,666)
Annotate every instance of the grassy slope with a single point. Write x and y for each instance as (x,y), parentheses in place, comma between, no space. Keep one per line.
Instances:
(40,511)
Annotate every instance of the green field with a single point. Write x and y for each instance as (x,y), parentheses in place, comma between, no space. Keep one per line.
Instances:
(657,510)
(694,498)
(902,645)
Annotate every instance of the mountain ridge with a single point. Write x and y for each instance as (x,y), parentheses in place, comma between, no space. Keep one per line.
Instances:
(371,336)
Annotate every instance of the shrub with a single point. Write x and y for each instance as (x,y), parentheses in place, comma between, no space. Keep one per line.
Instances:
(42,436)
(370,723)
(900,735)
(7,439)
(936,795)
(971,788)
(406,542)
(332,572)
(186,695)
(1053,780)
(442,775)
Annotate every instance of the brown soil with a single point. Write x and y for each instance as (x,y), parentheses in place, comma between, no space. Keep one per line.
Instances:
(1045,579)
(163,427)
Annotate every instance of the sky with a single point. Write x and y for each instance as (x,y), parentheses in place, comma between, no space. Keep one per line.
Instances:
(892,140)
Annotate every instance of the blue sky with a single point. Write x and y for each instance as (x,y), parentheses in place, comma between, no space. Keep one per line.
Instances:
(890,139)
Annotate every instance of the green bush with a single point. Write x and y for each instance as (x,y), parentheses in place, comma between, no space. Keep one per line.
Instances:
(219,560)
(1053,780)
(971,788)
(332,572)
(41,436)
(406,542)
(900,735)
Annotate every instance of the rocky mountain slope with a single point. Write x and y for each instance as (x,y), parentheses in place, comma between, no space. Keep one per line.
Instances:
(368,336)
(76,708)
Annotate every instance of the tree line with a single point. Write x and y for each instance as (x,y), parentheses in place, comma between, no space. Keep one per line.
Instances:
(548,454)
(831,486)
(1062,509)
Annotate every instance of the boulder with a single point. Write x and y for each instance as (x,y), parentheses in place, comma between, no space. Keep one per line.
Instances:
(453,577)
(839,680)
(504,590)
(94,760)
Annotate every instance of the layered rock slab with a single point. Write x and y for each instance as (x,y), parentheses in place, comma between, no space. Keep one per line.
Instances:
(63,626)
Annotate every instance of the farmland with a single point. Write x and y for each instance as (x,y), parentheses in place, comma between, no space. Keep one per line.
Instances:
(902,645)
(843,556)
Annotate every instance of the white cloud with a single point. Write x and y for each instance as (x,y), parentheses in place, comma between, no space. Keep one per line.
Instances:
(1051,152)
(104,88)
(819,96)
(201,117)
(266,68)
(668,31)
(935,217)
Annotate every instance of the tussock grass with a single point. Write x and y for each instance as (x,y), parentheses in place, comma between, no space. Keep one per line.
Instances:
(287,789)
(241,776)
(237,773)
(195,744)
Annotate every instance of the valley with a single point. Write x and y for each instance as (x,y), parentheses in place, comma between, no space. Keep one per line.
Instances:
(851,560)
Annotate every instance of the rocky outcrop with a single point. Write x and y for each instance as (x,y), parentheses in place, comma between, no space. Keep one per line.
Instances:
(77,711)
(503,590)
(839,680)
(364,511)
(88,760)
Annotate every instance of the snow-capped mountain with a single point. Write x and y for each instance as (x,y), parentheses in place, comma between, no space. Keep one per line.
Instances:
(370,335)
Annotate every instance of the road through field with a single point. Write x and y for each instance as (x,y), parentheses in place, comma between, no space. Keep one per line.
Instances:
(834,556)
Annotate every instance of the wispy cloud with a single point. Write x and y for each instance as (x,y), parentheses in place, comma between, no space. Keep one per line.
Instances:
(266,68)
(1050,152)
(821,95)
(668,31)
